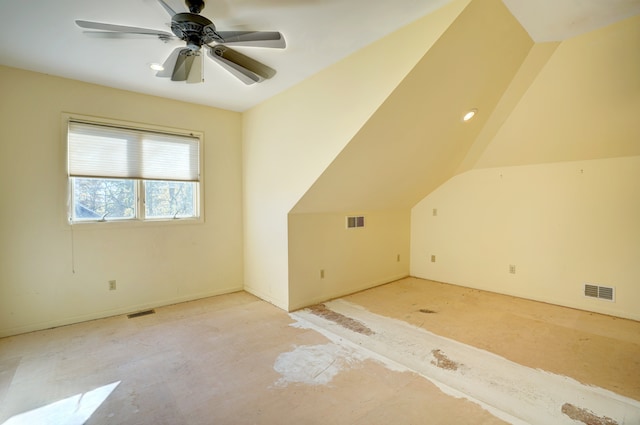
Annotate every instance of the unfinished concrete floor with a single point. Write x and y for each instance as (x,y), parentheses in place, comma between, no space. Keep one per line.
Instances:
(235,359)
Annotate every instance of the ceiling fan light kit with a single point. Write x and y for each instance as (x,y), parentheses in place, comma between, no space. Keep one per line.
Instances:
(198,32)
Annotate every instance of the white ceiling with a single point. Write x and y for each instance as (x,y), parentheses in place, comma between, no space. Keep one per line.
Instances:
(40,35)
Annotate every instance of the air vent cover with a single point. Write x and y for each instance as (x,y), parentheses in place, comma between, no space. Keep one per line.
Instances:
(140,313)
(606,293)
(355,221)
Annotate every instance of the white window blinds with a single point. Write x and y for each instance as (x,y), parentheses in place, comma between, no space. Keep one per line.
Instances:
(96,150)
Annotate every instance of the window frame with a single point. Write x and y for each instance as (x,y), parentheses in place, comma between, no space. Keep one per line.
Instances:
(140,217)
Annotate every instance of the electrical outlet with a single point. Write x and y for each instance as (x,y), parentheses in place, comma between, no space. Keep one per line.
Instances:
(512,268)
(433,258)
(321,273)
(112,285)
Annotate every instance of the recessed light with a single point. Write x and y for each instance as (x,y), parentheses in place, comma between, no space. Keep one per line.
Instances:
(469,115)
(156,67)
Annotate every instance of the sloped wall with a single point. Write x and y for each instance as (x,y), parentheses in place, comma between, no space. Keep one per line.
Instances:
(410,145)
(584,104)
(416,139)
(290,139)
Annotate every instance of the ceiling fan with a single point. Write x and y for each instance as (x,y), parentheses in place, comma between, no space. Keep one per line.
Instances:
(199,33)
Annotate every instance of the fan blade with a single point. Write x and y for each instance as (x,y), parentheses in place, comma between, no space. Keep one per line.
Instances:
(168,8)
(248,70)
(109,34)
(122,29)
(184,63)
(272,39)
(170,63)
(195,73)
(246,76)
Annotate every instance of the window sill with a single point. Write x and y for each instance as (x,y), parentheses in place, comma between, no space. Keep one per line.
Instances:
(134,223)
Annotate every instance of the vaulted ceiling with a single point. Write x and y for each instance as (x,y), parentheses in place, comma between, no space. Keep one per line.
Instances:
(536,102)
(40,35)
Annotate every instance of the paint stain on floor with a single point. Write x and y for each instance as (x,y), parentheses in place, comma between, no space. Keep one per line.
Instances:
(585,416)
(342,320)
(314,364)
(442,361)
(510,391)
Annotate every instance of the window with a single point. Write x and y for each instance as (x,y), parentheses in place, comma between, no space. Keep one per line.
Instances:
(118,173)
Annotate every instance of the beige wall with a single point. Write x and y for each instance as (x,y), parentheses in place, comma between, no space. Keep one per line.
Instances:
(275,192)
(152,264)
(416,139)
(584,103)
(290,139)
(352,259)
(411,144)
(552,186)
(562,225)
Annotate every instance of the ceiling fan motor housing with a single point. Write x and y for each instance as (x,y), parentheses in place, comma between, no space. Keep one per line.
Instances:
(196,30)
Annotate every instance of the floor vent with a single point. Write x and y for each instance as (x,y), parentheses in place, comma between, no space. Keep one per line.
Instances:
(427,311)
(606,293)
(140,313)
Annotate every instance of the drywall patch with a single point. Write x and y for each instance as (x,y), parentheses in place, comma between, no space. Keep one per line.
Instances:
(342,320)
(314,364)
(585,416)
(442,361)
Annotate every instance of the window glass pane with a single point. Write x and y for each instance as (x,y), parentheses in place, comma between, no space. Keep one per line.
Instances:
(103,199)
(170,199)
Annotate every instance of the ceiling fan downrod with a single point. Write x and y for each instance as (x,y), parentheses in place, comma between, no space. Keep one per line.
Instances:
(195,6)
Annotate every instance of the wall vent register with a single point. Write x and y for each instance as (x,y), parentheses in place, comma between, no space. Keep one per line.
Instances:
(355,222)
(606,293)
